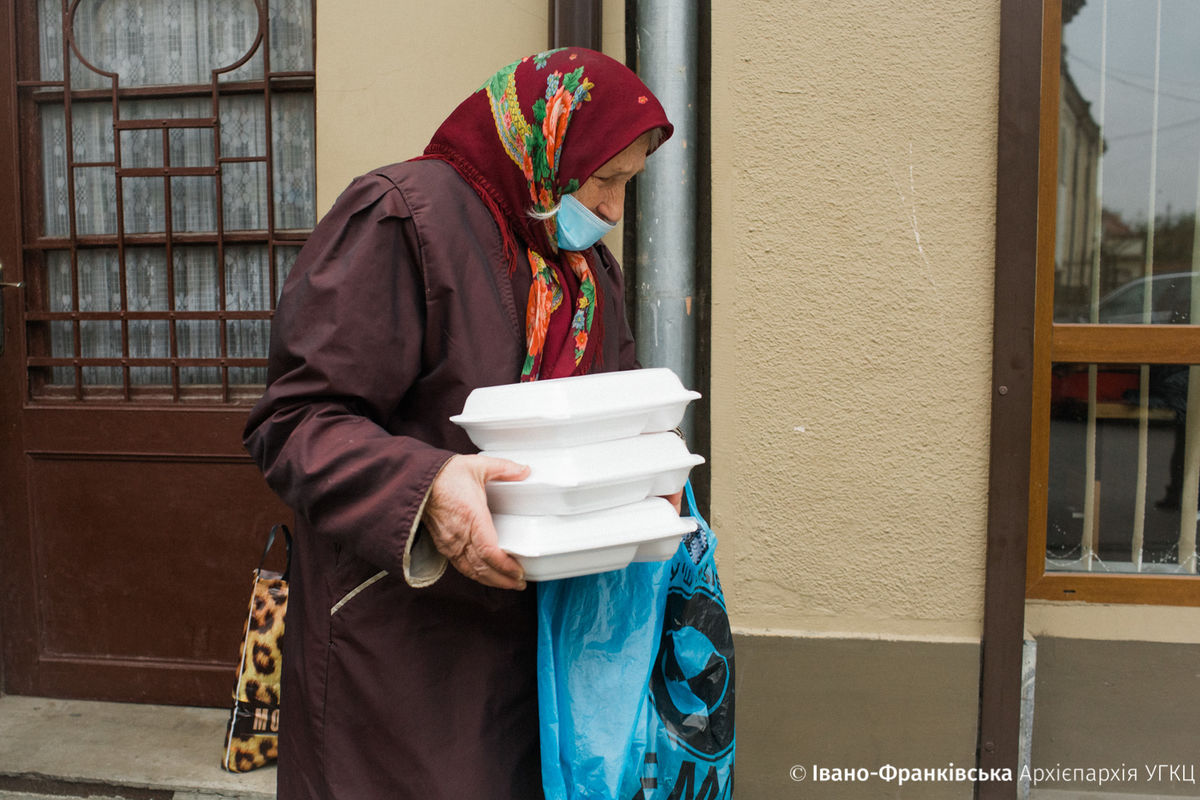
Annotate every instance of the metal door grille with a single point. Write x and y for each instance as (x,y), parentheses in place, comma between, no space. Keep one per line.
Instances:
(156,250)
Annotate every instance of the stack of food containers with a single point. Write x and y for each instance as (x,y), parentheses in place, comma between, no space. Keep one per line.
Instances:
(602,455)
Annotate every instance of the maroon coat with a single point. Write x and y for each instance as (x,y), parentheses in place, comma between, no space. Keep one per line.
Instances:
(400,304)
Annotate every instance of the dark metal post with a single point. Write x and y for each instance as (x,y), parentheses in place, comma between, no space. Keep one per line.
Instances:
(576,23)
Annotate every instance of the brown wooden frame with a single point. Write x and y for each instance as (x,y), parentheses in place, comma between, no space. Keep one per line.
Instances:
(1025,344)
(16,605)
(1083,343)
(1013,344)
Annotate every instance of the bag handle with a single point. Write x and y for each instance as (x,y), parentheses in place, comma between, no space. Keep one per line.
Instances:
(287,541)
(693,510)
(698,542)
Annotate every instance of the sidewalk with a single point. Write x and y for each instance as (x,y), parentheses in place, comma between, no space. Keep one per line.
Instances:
(73,748)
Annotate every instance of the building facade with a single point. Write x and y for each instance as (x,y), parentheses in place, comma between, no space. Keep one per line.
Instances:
(889,306)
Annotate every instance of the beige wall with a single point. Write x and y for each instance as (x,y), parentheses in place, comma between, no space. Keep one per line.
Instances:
(389,72)
(853,207)
(1047,618)
(382,90)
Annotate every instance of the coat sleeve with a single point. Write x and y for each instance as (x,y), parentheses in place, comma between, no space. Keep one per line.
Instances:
(345,347)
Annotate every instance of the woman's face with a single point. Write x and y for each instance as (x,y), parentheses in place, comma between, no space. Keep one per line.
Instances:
(604,192)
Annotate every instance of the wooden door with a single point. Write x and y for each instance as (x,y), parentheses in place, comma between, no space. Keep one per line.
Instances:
(157,158)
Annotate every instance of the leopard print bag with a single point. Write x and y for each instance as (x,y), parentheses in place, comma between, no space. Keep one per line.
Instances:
(252,737)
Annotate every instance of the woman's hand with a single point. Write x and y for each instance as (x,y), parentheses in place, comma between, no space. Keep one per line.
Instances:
(676,500)
(460,523)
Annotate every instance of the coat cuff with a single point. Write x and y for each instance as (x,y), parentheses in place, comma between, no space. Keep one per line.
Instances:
(423,564)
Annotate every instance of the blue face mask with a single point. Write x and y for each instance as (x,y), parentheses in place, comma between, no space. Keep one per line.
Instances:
(578,227)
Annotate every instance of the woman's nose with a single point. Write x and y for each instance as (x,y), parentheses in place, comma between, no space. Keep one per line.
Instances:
(611,206)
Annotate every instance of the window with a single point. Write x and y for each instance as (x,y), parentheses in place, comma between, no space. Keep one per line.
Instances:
(172,147)
(1116,415)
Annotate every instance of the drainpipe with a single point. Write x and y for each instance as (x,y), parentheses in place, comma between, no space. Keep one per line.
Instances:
(667,38)
(665,51)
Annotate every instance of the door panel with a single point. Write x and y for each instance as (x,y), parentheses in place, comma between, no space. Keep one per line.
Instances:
(142,560)
(160,198)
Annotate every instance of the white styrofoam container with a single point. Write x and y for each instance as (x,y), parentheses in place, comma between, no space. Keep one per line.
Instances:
(591,477)
(563,412)
(553,547)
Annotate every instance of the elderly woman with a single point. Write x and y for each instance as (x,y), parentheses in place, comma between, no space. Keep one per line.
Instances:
(477,264)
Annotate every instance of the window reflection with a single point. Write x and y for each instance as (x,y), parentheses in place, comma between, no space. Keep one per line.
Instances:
(1126,244)
(1124,463)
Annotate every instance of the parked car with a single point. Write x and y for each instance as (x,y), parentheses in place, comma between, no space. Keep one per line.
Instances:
(1118,385)
(1170,301)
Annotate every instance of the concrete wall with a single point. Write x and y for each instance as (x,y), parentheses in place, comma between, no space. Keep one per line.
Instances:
(1117,705)
(853,212)
(852,703)
(1096,621)
(853,169)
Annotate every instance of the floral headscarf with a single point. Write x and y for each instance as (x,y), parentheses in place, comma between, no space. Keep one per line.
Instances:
(535,131)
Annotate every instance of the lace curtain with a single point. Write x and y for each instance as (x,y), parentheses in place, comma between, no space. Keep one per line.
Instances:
(174,42)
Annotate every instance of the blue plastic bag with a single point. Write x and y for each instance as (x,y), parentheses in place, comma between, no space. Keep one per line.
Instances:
(636,680)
